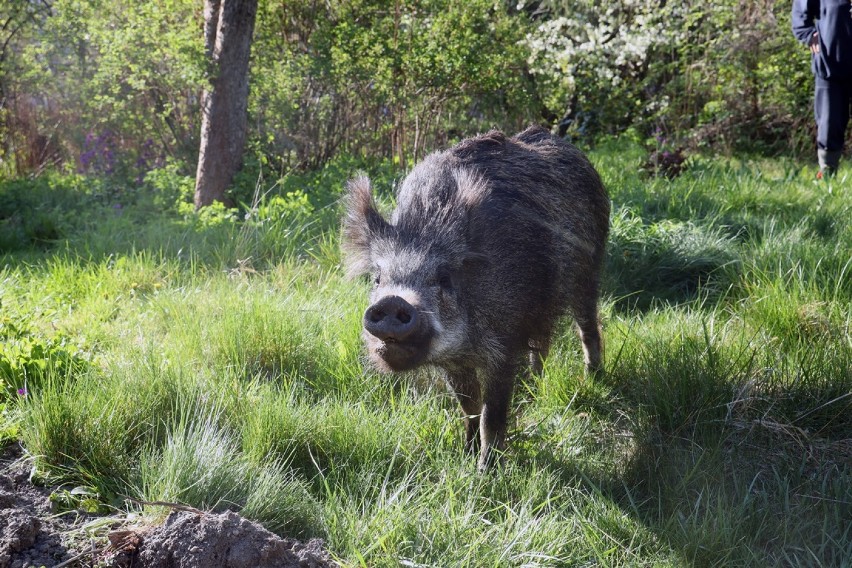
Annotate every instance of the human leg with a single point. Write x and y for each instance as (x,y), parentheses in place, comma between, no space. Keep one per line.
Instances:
(831,110)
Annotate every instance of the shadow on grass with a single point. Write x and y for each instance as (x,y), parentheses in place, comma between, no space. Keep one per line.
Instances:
(731,453)
(725,472)
(667,262)
(731,496)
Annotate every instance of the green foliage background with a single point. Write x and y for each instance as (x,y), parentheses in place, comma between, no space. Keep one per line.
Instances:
(107,86)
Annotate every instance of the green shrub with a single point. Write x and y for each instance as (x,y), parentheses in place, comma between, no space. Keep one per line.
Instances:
(27,360)
(168,187)
(38,212)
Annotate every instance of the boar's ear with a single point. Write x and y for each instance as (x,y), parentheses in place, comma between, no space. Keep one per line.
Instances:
(361,223)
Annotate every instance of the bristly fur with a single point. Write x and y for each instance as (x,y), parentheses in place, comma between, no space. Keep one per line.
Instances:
(361,225)
(492,241)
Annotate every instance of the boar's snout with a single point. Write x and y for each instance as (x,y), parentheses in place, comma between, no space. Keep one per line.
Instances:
(391,319)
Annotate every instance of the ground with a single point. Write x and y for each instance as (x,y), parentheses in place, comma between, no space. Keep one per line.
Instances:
(31,534)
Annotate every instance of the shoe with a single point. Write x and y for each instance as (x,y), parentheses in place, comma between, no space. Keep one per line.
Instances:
(826,173)
(828,162)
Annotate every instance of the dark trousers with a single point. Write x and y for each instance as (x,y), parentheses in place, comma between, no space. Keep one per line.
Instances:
(831,109)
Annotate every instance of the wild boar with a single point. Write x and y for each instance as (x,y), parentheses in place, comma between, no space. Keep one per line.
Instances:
(491,242)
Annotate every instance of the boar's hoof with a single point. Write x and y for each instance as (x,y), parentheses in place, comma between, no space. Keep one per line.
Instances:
(490,460)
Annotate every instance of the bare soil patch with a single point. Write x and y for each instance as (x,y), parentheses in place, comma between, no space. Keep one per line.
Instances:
(31,535)
(227,540)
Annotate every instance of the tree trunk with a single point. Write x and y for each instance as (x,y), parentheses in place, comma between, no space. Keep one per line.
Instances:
(228,28)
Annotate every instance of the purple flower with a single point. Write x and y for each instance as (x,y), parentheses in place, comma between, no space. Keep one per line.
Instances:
(86,158)
(22,392)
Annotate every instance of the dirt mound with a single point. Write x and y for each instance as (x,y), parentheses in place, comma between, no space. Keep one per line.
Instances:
(225,540)
(29,535)
(32,535)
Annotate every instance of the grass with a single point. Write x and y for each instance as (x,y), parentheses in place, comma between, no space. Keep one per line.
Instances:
(215,360)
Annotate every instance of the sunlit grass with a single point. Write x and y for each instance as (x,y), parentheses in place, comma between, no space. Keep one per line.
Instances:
(224,369)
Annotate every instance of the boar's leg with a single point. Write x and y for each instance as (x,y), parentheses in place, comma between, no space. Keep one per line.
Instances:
(585,310)
(497,396)
(465,385)
(590,334)
(539,348)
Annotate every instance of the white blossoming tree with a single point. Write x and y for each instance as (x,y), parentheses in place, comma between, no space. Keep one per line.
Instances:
(724,73)
(594,58)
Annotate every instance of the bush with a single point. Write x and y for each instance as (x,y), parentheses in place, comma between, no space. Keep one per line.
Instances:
(391,79)
(168,187)
(716,75)
(396,79)
(27,360)
(38,212)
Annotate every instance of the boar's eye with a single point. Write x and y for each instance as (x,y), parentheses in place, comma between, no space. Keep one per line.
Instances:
(377,279)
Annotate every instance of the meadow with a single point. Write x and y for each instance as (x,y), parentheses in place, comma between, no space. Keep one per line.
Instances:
(214,359)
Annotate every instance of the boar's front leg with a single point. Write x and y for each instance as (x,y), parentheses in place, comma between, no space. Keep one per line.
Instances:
(497,396)
(465,385)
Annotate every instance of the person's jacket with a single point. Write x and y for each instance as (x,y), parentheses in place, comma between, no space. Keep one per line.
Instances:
(832,19)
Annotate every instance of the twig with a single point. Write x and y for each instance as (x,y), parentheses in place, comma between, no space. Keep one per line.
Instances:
(176,506)
(71,561)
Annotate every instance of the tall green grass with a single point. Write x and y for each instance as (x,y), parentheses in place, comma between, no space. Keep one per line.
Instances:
(222,368)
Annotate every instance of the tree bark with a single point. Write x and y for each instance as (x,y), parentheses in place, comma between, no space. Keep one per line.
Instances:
(228,29)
